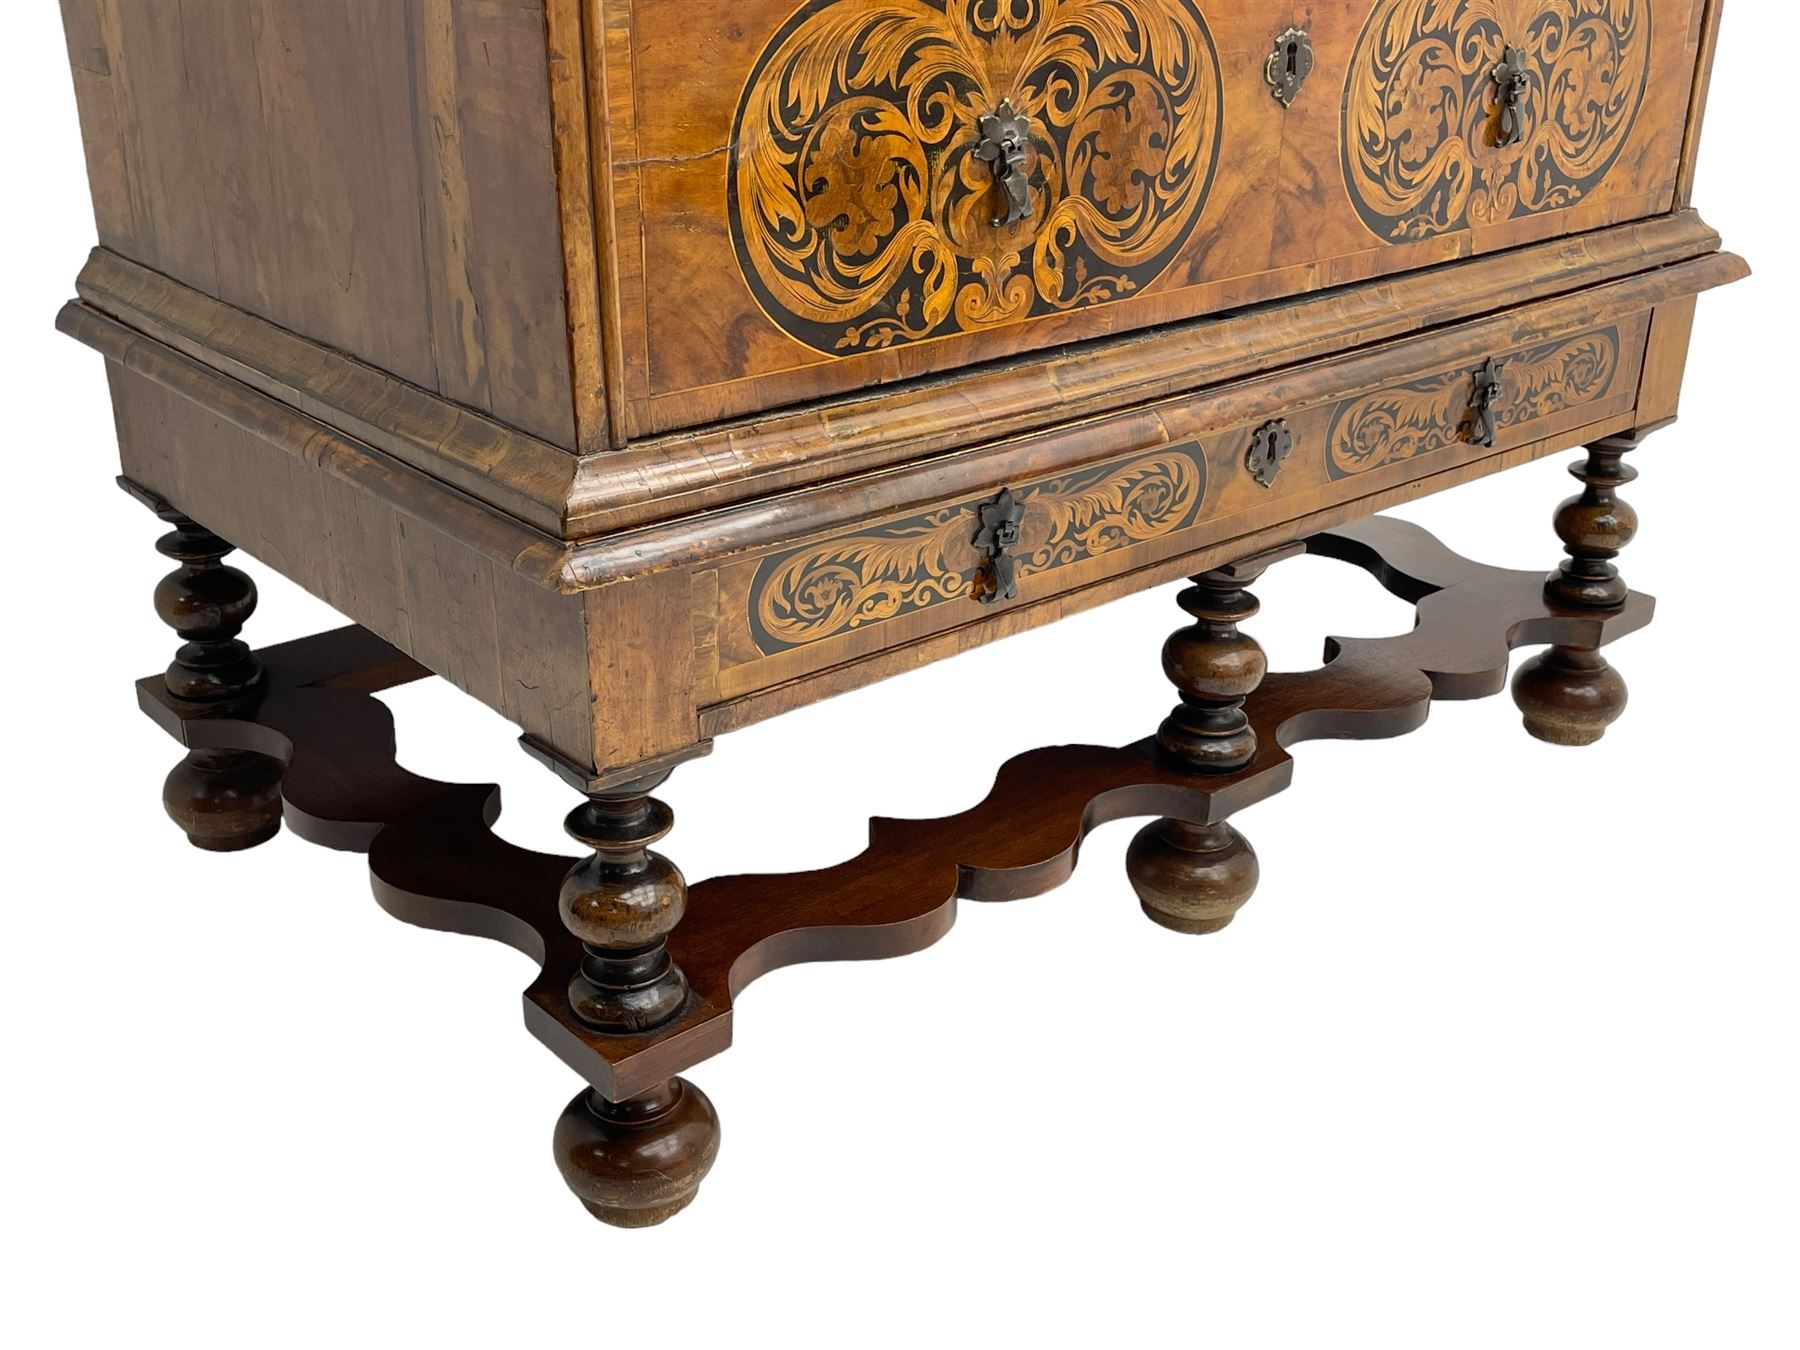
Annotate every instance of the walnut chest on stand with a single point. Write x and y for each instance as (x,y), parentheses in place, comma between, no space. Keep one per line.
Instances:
(647,368)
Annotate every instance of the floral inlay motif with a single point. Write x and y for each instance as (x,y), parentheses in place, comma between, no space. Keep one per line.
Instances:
(1423,115)
(822,590)
(862,217)
(1409,420)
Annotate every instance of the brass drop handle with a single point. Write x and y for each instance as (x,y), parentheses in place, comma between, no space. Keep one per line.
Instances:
(1515,82)
(1003,136)
(1484,406)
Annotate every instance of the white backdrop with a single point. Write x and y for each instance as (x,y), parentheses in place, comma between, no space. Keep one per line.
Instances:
(1502,1053)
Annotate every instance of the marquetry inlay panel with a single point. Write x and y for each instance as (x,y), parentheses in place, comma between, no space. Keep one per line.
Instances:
(861,215)
(1422,118)
(808,594)
(1404,421)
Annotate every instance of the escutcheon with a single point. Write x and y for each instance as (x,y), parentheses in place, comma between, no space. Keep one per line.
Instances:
(1289,65)
(1269,448)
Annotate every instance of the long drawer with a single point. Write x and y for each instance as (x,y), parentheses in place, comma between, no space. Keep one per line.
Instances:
(810,198)
(1238,464)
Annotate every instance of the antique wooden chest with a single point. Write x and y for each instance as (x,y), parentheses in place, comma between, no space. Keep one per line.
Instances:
(647,368)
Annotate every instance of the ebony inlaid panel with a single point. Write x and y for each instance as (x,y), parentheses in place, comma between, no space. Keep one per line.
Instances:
(815,213)
(1427,145)
(862,215)
(807,594)
(1404,421)
(1347,429)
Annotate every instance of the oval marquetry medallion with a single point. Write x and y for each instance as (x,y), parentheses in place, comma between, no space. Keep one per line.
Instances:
(825,589)
(1422,118)
(862,215)
(1408,420)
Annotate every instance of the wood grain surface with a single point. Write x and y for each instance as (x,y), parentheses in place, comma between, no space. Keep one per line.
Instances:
(580,331)
(799,196)
(377,177)
(435,860)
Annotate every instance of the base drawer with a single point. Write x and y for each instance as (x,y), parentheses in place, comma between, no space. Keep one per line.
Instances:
(1170,480)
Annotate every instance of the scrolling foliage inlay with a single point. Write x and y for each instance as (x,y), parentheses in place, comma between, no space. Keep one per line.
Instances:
(863,219)
(1409,420)
(1422,109)
(819,591)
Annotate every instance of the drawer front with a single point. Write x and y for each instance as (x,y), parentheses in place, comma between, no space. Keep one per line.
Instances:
(836,586)
(1458,116)
(1212,467)
(847,192)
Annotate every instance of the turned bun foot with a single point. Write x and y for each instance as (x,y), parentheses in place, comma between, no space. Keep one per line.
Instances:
(637,1163)
(225,800)
(1569,697)
(1191,878)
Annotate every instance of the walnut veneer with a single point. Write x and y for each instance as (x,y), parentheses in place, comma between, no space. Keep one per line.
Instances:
(648,369)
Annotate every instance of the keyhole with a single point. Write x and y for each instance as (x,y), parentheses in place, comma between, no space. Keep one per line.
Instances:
(1293,59)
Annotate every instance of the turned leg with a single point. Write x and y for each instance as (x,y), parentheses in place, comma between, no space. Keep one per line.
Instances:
(222,799)
(636,1162)
(1569,696)
(1194,877)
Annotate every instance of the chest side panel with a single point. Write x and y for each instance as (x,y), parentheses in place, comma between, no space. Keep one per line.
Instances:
(377,177)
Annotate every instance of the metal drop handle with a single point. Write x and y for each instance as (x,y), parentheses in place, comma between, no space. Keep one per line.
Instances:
(1484,406)
(1003,136)
(1515,82)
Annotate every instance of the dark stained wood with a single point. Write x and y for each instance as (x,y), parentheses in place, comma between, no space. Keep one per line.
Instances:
(436,862)
(1216,666)
(1570,695)
(1194,877)
(207,604)
(1594,526)
(640,1162)
(223,800)
(621,903)
(1191,878)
